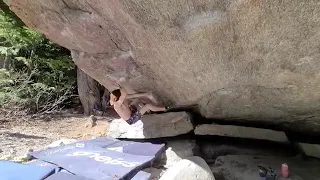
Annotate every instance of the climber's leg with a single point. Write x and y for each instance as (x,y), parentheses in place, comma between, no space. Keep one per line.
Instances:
(150,107)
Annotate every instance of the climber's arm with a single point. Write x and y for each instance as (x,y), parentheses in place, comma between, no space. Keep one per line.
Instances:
(123,95)
(122,82)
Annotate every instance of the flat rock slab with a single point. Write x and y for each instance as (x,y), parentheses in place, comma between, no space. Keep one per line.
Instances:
(212,150)
(234,167)
(152,126)
(240,131)
(312,150)
(192,168)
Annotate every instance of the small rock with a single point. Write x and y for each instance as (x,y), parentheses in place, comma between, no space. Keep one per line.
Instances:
(27,156)
(92,121)
(192,168)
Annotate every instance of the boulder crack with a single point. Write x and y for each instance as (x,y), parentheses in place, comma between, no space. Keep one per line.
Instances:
(67,6)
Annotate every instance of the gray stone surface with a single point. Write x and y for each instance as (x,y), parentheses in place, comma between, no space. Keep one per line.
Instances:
(155,173)
(152,126)
(177,150)
(192,168)
(248,60)
(235,167)
(240,131)
(212,150)
(312,150)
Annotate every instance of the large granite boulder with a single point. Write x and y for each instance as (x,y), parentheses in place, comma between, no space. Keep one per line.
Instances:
(152,126)
(243,59)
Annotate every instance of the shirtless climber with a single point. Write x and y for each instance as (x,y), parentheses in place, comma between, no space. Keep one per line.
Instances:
(127,112)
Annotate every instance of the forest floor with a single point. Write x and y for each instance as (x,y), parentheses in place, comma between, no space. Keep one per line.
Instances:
(19,134)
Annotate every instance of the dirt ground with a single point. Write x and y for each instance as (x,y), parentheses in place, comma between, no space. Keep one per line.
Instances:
(18,135)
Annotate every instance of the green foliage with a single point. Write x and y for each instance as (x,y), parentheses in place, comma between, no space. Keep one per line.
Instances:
(16,37)
(40,76)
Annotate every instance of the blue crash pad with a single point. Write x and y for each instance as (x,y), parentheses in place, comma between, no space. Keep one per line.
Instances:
(93,162)
(129,147)
(103,158)
(44,164)
(65,176)
(15,171)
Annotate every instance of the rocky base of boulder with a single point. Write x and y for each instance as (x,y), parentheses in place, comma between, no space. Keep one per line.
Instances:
(234,167)
(231,161)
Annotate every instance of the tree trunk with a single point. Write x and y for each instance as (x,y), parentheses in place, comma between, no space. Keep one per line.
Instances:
(105,100)
(88,92)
